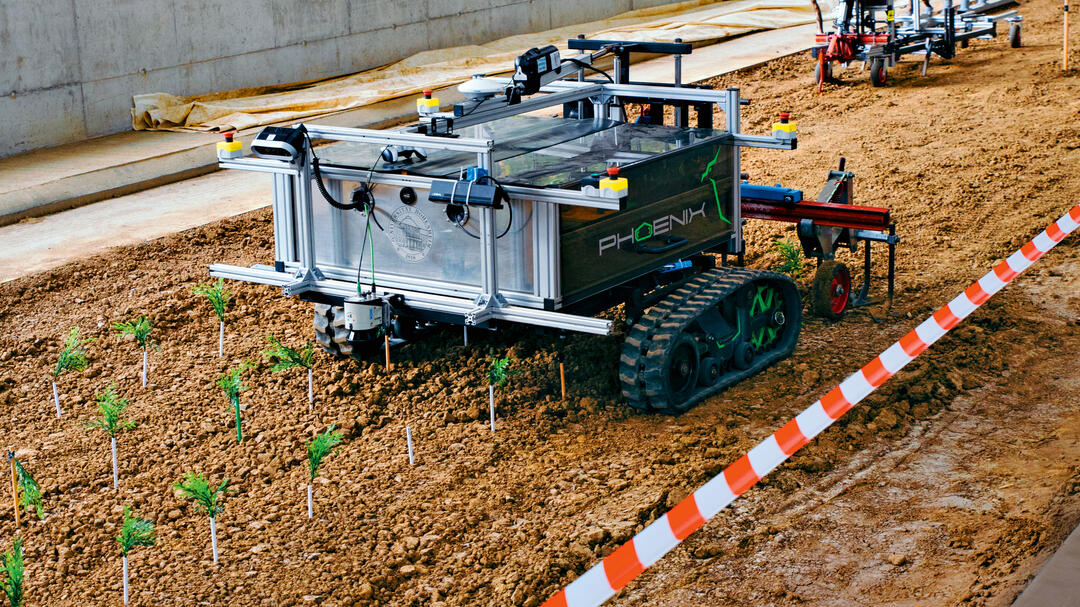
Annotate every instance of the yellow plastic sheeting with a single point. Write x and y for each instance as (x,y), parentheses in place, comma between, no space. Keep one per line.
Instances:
(694,21)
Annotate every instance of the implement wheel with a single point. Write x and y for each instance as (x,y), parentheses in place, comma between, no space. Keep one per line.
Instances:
(1014,35)
(818,79)
(878,72)
(831,292)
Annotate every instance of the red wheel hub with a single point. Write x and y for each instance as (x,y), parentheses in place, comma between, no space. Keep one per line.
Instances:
(839,290)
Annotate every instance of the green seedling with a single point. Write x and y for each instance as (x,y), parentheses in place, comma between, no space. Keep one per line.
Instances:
(230,382)
(11,569)
(219,298)
(72,358)
(791,258)
(207,501)
(112,421)
(498,375)
(317,450)
(139,329)
(29,491)
(285,358)
(499,370)
(134,532)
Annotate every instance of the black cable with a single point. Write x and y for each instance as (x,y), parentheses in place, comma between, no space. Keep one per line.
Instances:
(360,264)
(367,206)
(586,66)
(475,107)
(509,210)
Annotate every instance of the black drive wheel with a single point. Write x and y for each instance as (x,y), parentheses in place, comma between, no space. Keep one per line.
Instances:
(681,378)
(330,330)
(831,292)
(1014,35)
(878,72)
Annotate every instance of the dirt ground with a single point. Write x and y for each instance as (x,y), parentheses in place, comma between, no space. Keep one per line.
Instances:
(950,485)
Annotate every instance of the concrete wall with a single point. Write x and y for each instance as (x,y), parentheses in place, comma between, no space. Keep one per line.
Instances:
(68,68)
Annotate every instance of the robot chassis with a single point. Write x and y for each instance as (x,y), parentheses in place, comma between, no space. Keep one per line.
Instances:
(536,233)
(862,34)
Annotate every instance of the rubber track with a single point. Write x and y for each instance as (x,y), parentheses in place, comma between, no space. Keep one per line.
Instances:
(330,331)
(644,352)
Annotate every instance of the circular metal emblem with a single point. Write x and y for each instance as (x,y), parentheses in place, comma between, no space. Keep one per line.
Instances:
(411,234)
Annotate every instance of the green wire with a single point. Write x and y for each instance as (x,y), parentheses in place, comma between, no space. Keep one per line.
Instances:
(371,239)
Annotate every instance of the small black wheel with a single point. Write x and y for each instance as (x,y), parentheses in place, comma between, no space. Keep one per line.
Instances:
(710,371)
(1014,35)
(743,356)
(831,292)
(681,377)
(963,43)
(878,72)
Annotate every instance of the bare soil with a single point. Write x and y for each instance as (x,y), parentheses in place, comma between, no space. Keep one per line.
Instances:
(950,485)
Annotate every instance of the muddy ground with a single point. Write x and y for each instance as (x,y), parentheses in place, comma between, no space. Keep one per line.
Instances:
(950,485)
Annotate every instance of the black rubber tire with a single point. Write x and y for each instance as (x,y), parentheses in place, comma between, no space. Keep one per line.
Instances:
(1014,35)
(743,356)
(330,330)
(822,293)
(709,372)
(879,74)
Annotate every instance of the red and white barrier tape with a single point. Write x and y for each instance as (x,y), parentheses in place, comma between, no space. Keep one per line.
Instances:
(615,571)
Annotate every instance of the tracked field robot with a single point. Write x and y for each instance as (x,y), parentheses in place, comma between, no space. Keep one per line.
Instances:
(535,201)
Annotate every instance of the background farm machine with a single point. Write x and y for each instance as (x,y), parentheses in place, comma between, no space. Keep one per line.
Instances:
(870,31)
(498,212)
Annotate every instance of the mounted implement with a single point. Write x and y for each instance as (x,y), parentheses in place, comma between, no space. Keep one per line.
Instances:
(825,226)
(870,31)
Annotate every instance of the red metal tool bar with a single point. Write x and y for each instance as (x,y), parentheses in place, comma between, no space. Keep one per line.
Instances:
(822,213)
(861,38)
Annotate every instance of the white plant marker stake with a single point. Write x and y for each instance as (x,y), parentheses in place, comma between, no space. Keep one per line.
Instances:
(56,399)
(213,538)
(309,512)
(310,391)
(221,340)
(115,475)
(491,405)
(144,357)
(125,580)
(408,441)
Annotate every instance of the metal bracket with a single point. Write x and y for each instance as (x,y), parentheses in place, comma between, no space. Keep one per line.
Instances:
(763,141)
(305,279)
(485,301)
